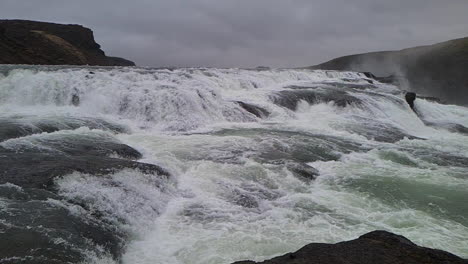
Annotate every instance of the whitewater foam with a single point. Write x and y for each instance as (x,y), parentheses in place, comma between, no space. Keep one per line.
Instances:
(231,195)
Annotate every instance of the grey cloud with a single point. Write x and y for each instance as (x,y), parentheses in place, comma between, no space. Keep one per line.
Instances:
(246,33)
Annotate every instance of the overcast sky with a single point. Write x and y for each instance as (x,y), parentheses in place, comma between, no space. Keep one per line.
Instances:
(249,33)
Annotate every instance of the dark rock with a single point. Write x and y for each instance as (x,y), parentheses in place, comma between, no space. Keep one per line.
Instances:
(20,126)
(36,225)
(391,79)
(432,99)
(254,110)
(456,128)
(378,131)
(410,97)
(369,75)
(302,170)
(35,161)
(375,247)
(31,42)
(75,100)
(116,61)
(250,195)
(38,170)
(33,226)
(245,200)
(72,144)
(290,98)
(439,158)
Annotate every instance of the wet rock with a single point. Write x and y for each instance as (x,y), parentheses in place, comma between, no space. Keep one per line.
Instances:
(20,126)
(375,247)
(456,128)
(431,99)
(37,224)
(37,228)
(290,98)
(34,161)
(359,86)
(278,146)
(378,131)
(302,170)
(439,158)
(38,170)
(75,100)
(72,144)
(410,97)
(254,110)
(262,68)
(391,79)
(245,200)
(369,75)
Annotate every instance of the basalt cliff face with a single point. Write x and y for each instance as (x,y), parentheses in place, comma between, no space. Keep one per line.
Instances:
(31,42)
(438,70)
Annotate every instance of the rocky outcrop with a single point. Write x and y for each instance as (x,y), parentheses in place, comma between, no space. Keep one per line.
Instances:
(376,247)
(31,42)
(436,70)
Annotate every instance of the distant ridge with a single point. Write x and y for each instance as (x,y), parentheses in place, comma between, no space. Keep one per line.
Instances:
(439,70)
(32,42)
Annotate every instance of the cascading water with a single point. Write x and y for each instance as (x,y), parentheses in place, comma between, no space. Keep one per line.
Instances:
(255,163)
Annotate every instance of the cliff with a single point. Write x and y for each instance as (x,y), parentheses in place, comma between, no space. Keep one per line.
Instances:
(436,70)
(31,42)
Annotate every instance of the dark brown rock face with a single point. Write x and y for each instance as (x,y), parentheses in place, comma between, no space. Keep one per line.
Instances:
(376,247)
(31,42)
(437,70)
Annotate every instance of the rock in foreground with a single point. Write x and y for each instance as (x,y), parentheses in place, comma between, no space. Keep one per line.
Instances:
(31,42)
(376,247)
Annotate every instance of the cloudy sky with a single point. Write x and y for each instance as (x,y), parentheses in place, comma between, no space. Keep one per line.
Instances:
(249,33)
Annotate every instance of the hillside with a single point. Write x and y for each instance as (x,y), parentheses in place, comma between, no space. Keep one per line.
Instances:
(31,42)
(439,70)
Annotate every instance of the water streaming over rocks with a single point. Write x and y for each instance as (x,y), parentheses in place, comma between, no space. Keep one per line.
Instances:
(141,165)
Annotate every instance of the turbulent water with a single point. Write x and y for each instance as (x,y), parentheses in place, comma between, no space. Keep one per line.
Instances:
(260,163)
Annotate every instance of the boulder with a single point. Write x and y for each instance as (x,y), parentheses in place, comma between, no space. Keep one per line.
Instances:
(375,247)
(410,97)
(302,170)
(254,110)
